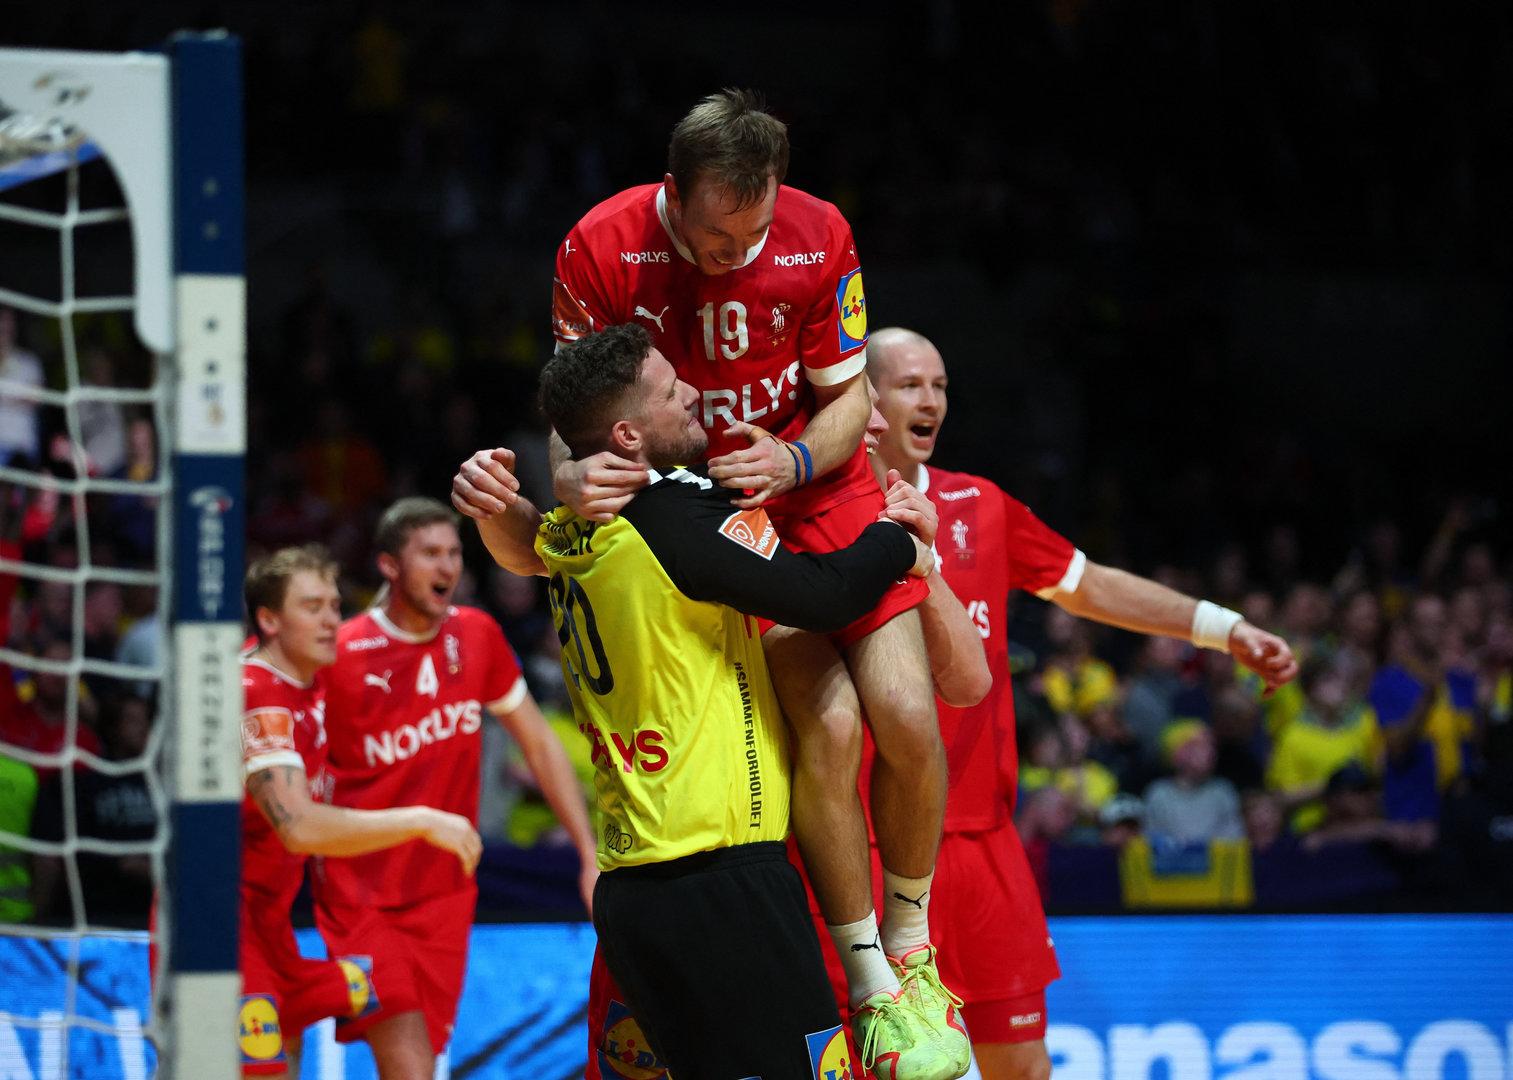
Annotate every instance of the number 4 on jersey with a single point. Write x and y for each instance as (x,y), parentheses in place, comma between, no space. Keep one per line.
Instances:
(426,681)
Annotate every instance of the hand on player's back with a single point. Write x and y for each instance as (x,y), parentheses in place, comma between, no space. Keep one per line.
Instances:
(1266,654)
(910,508)
(485,484)
(764,470)
(454,833)
(599,486)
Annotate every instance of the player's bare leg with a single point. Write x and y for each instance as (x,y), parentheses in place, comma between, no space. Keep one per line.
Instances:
(824,716)
(890,669)
(891,672)
(402,1047)
(1013,1061)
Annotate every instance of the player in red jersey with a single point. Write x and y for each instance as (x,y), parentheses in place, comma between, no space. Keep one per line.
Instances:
(753,291)
(997,952)
(406,700)
(295,609)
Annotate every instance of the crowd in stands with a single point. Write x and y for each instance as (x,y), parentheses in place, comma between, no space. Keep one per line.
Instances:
(1397,737)
(1146,157)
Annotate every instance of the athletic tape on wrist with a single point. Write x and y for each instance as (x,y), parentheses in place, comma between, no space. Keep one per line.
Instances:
(1212,626)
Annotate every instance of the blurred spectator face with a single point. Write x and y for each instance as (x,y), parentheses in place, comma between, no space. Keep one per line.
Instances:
(1361,623)
(99,369)
(1500,641)
(1106,724)
(1048,813)
(1263,819)
(1064,631)
(55,603)
(1307,611)
(141,441)
(1075,739)
(1047,749)
(1426,625)
(1328,691)
(1193,758)
(102,610)
(1468,616)
(305,624)
(911,395)
(52,690)
(1237,715)
(1164,654)
(1477,567)
(1259,608)
(128,739)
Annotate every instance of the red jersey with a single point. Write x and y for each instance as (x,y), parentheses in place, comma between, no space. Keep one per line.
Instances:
(282,724)
(987,544)
(403,715)
(753,341)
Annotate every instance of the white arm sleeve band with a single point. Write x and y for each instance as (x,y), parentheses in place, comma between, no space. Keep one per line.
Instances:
(1212,625)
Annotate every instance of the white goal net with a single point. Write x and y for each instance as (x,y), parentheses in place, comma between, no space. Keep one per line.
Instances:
(121,441)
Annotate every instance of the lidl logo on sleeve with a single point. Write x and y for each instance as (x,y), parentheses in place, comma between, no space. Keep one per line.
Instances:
(830,1056)
(361,994)
(853,311)
(623,1050)
(260,1035)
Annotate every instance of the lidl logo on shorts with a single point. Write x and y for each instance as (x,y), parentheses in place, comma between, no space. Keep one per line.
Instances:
(829,1055)
(623,1050)
(853,308)
(361,993)
(259,1035)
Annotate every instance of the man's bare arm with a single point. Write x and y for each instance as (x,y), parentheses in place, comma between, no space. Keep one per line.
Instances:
(768,467)
(307,827)
(958,663)
(1119,598)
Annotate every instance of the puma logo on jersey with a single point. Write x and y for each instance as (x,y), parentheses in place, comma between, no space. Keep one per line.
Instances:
(380,681)
(567,246)
(657,318)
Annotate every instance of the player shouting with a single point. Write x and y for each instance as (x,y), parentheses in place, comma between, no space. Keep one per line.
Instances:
(998,954)
(413,681)
(294,607)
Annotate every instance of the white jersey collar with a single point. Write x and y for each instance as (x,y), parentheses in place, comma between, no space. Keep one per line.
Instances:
(278,673)
(751,252)
(388,626)
(922,478)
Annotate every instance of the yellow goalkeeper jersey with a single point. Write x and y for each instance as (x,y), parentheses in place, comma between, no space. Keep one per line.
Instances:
(664,661)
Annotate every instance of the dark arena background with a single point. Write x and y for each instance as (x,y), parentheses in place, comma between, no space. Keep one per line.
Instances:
(1224,293)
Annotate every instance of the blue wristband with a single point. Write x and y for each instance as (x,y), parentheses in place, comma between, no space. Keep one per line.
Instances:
(808,461)
(798,466)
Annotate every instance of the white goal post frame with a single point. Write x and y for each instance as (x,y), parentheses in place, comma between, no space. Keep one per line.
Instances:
(170,126)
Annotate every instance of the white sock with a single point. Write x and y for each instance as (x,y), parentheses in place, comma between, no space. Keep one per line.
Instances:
(906,912)
(861,952)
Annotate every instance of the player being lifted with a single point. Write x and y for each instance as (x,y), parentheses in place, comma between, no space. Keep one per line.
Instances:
(295,610)
(406,701)
(753,291)
(998,953)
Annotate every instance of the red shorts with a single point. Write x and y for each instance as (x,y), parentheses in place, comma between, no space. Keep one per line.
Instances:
(986,919)
(834,527)
(616,1048)
(283,992)
(420,955)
